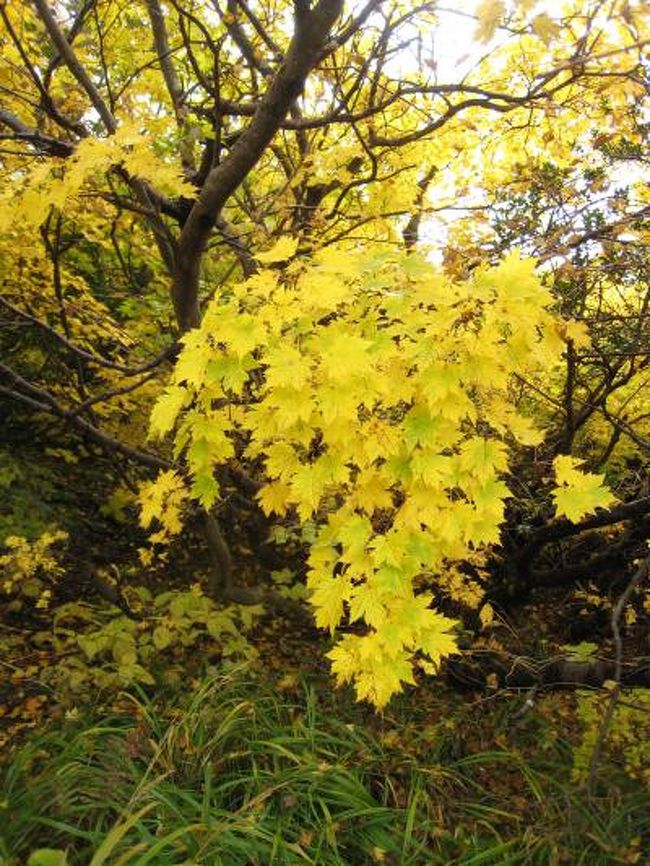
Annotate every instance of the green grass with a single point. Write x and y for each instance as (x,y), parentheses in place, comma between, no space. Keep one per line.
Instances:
(238,775)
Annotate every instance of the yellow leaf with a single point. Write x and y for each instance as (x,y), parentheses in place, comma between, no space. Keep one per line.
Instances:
(366,603)
(486,615)
(307,488)
(166,410)
(544,27)
(328,598)
(578,493)
(489,13)
(284,249)
(344,356)
(576,332)
(274,498)
(286,366)
(482,458)
(281,460)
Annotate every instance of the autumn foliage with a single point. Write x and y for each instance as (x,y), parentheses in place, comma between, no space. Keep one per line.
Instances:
(278,256)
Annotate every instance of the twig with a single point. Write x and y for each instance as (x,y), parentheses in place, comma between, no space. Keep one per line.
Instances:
(639,575)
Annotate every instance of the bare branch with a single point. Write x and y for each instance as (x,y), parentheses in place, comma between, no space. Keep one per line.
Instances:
(72,62)
(42,401)
(89,356)
(640,575)
(161,44)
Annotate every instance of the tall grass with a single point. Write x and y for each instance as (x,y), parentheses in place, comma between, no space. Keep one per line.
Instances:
(238,775)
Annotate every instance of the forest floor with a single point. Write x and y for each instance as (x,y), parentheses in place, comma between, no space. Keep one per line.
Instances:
(457,770)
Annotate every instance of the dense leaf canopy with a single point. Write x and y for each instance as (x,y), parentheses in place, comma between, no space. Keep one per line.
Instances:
(290,257)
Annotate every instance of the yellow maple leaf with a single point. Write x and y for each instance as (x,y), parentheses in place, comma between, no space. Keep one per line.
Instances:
(327,599)
(282,250)
(274,498)
(578,493)
(307,487)
(281,460)
(576,332)
(286,366)
(366,602)
(344,356)
(489,13)
(544,27)
(345,658)
(166,410)
(482,458)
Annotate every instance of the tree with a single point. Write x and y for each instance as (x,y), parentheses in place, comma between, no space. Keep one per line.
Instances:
(186,182)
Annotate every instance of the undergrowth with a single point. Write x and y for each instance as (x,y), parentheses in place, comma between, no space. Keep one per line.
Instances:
(238,774)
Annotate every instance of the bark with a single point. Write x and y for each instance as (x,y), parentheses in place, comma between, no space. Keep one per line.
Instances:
(65,51)
(518,672)
(517,576)
(312,29)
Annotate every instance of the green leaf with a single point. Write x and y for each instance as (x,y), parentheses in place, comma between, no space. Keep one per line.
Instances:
(162,637)
(48,857)
(581,652)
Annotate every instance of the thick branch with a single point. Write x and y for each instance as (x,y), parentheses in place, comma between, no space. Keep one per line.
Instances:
(605,517)
(312,29)
(39,140)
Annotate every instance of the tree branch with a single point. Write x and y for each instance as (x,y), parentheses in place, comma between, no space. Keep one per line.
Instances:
(310,35)
(161,45)
(72,62)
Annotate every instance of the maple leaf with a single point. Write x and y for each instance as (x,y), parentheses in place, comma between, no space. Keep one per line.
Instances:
(325,290)
(274,498)
(344,356)
(482,458)
(383,678)
(213,430)
(281,460)
(371,492)
(344,658)
(230,372)
(523,429)
(336,402)
(576,332)
(420,428)
(433,468)
(307,487)
(489,13)
(193,360)
(354,535)
(242,333)
(286,366)
(281,251)
(578,493)
(162,500)
(206,489)
(544,27)
(366,602)
(482,527)
(166,409)
(489,496)
(290,405)
(327,598)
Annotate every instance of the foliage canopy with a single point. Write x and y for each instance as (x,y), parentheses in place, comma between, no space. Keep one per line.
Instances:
(383,298)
